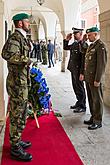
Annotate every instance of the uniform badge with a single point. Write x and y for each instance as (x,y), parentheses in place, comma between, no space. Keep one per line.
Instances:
(92,50)
(90,57)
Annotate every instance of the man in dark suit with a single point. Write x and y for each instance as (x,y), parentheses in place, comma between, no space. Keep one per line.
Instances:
(95,62)
(76,67)
(50,49)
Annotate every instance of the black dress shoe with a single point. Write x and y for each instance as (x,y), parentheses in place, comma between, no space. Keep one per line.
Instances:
(74,106)
(18,153)
(25,144)
(79,110)
(94,126)
(88,122)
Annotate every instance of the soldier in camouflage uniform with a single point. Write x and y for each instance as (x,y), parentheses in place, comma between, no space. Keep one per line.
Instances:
(95,62)
(76,67)
(44,53)
(15,52)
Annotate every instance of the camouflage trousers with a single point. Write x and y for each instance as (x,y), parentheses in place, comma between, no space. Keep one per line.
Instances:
(18,112)
(44,58)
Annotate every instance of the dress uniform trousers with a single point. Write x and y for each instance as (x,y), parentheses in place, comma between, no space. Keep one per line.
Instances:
(78,87)
(95,98)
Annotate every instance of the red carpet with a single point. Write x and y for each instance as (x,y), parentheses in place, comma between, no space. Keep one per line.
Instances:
(50,144)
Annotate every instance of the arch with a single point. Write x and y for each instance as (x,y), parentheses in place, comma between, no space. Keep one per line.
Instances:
(56,6)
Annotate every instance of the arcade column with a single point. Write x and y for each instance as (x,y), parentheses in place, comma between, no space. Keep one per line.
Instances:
(2,38)
(104,19)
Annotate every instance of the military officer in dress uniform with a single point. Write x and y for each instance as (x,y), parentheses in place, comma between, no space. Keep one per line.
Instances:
(16,53)
(95,62)
(76,67)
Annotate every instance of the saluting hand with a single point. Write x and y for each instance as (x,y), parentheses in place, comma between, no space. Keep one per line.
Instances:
(69,36)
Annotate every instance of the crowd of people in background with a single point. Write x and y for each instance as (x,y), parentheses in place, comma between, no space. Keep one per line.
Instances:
(46,52)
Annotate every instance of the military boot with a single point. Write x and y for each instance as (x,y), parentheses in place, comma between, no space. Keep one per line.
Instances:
(18,153)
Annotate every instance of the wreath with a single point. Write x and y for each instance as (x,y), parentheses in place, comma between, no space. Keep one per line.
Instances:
(38,96)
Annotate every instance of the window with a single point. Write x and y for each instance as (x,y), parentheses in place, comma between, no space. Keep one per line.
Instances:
(83,24)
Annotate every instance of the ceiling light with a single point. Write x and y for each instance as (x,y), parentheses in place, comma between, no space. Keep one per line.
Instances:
(40,2)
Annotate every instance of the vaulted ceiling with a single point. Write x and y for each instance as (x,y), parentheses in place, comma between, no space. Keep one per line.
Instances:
(32,7)
(50,6)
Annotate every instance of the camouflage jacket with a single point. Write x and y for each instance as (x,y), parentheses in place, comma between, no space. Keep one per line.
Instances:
(95,62)
(15,52)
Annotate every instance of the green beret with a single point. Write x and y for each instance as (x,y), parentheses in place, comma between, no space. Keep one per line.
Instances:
(93,29)
(20,16)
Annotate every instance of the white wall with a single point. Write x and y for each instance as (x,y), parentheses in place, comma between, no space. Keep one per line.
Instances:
(72,14)
(88,5)
(3,93)
(50,18)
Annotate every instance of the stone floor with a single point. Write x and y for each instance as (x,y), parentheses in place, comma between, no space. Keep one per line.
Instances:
(93,147)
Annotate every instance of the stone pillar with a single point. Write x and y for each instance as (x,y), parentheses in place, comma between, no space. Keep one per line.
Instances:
(2,34)
(104,19)
(63,55)
(34,32)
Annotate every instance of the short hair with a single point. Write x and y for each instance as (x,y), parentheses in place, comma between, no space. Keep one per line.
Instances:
(16,22)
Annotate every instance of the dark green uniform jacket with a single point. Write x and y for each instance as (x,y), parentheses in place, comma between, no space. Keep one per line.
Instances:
(95,62)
